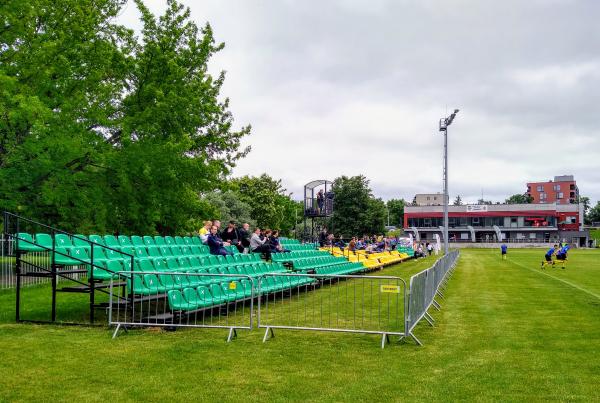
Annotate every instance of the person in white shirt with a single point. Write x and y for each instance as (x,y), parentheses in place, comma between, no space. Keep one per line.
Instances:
(259,245)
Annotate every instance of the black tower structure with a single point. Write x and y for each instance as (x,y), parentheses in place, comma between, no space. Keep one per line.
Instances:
(318,203)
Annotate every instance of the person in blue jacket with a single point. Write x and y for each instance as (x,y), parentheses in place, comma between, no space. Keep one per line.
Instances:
(503,249)
(216,244)
(548,257)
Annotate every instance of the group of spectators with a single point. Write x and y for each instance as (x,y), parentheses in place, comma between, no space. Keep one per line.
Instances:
(373,244)
(423,250)
(258,241)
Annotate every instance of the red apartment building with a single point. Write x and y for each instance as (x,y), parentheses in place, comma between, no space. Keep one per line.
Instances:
(562,190)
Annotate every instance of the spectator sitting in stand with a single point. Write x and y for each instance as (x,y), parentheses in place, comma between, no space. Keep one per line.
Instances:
(340,243)
(244,234)
(216,245)
(259,245)
(205,231)
(230,234)
(276,245)
(323,237)
(329,241)
(352,245)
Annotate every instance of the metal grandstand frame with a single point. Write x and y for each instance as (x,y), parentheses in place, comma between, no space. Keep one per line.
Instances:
(152,309)
(44,265)
(315,210)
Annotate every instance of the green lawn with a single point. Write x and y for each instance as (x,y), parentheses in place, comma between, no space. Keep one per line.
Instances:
(507,331)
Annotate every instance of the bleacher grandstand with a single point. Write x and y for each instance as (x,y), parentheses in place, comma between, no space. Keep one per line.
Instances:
(146,266)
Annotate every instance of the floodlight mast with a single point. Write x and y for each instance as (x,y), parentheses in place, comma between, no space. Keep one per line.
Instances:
(444,123)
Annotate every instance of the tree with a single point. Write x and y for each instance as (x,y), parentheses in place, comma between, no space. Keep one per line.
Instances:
(594,214)
(482,201)
(414,201)
(396,210)
(356,211)
(228,207)
(458,201)
(102,131)
(271,206)
(519,199)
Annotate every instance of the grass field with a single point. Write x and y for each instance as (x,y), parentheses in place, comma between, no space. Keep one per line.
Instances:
(507,331)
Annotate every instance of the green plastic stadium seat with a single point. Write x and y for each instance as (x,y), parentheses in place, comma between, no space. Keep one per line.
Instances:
(62,258)
(139,287)
(25,243)
(99,272)
(44,240)
(178,303)
(218,294)
(63,241)
(137,240)
(170,241)
(159,240)
(111,241)
(141,252)
(165,251)
(205,295)
(172,264)
(148,241)
(81,241)
(192,297)
(196,241)
(124,240)
(96,239)
(179,241)
(153,284)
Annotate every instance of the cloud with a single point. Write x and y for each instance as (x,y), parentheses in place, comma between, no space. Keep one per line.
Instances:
(357,87)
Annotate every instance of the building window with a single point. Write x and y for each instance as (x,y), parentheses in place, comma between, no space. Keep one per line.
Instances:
(427,197)
(560,195)
(556,188)
(543,196)
(540,188)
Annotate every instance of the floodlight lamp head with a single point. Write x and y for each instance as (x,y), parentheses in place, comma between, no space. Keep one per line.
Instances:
(443,125)
(456,111)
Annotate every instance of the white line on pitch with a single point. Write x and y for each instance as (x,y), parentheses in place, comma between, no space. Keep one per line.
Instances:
(558,279)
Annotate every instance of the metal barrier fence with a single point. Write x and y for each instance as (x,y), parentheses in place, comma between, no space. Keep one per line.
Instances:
(174,300)
(334,303)
(424,287)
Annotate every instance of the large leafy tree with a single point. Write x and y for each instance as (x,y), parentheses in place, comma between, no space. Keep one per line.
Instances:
(271,206)
(594,214)
(104,131)
(519,199)
(229,207)
(396,210)
(356,211)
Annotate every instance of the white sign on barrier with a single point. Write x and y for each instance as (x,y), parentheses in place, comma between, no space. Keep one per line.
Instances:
(473,208)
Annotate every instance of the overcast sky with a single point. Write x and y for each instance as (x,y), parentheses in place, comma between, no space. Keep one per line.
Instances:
(335,87)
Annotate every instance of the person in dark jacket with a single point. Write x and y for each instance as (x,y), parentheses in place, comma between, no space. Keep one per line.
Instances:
(231,235)
(275,244)
(216,244)
(245,234)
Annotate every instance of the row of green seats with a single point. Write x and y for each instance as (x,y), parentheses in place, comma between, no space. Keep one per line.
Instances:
(174,264)
(295,247)
(193,298)
(43,241)
(292,256)
(344,268)
(312,263)
(163,282)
